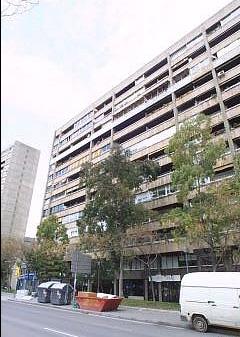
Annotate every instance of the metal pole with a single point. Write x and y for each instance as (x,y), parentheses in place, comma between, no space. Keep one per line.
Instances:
(74,285)
(74,290)
(186,258)
(98,275)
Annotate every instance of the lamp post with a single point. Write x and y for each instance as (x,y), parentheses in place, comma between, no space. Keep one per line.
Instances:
(24,269)
(98,275)
(186,259)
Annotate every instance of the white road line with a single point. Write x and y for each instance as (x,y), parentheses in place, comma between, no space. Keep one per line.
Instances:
(61,332)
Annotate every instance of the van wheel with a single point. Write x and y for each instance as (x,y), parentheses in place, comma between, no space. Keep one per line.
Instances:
(200,324)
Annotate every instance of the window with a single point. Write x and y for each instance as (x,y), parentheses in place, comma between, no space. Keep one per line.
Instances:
(72,232)
(71,218)
(61,172)
(153,140)
(169,262)
(228,48)
(57,208)
(155,193)
(230,16)
(187,259)
(57,196)
(194,69)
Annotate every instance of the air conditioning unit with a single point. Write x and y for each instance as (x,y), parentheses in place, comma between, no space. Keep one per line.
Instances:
(221,73)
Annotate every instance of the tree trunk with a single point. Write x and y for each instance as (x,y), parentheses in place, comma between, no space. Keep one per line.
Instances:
(152,285)
(120,291)
(227,260)
(214,259)
(115,286)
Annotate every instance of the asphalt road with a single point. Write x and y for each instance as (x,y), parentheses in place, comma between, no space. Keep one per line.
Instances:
(27,320)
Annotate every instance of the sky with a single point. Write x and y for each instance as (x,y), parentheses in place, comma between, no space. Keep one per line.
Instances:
(62,55)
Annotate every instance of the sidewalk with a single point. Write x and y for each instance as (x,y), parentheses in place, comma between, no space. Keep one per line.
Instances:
(155,316)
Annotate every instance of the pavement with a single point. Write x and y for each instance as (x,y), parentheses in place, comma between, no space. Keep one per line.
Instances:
(155,316)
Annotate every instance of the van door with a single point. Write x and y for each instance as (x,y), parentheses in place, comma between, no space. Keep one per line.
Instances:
(225,308)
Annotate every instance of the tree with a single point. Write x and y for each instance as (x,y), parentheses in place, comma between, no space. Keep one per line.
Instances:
(11,251)
(46,257)
(110,208)
(210,214)
(15,7)
(143,240)
(99,246)
(51,230)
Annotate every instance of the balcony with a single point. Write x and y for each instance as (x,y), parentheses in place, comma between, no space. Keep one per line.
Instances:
(100,158)
(150,149)
(72,209)
(164,201)
(233,112)
(68,198)
(229,74)
(222,29)
(156,115)
(186,53)
(195,92)
(235,133)
(226,57)
(234,91)
(197,109)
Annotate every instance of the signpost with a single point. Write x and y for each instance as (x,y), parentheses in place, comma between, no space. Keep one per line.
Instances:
(80,264)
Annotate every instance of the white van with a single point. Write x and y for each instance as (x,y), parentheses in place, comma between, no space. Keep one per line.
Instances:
(211,298)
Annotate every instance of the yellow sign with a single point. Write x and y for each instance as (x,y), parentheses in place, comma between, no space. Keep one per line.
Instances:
(18,271)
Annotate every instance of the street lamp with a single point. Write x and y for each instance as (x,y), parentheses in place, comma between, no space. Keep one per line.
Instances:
(24,269)
(186,259)
(98,275)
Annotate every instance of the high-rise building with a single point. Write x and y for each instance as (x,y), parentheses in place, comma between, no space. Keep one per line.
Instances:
(198,74)
(19,165)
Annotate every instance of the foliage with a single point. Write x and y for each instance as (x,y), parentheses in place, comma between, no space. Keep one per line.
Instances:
(11,252)
(46,258)
(51,230)
(110,209)
(210,214)
(194,155)
(143,252)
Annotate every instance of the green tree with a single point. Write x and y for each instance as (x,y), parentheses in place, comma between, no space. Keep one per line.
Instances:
(12,250)
(46,257)
(194,155)
(143,240)
(210,214)
(110,208)
(51,230)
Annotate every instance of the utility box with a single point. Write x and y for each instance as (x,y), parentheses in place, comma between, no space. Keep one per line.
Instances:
(44,291)
(61,294)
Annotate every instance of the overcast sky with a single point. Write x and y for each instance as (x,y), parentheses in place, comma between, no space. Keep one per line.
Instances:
(64,54)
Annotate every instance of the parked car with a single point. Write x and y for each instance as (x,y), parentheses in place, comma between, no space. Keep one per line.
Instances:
(211,298)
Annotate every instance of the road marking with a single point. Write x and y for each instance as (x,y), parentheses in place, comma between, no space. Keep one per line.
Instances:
(61,332)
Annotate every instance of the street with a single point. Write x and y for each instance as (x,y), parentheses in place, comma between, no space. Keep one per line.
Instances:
(29,320)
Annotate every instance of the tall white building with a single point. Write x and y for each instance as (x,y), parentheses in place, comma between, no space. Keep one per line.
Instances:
(198,74)
(19,165)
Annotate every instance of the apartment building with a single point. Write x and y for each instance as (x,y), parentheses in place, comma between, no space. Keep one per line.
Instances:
(198,74)
(19,165)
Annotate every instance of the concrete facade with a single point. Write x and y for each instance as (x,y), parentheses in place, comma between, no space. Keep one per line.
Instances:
(198,74)
(18,172)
